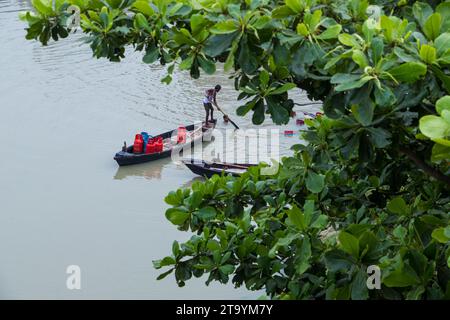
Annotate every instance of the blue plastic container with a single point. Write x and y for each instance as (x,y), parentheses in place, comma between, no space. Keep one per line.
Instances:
(145,137)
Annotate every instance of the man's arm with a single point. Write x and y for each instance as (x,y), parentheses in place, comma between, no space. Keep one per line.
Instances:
(215,98)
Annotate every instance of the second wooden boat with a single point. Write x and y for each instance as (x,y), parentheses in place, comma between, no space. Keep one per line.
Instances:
(208,169)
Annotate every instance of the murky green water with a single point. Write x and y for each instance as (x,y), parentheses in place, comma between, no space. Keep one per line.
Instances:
(63,200)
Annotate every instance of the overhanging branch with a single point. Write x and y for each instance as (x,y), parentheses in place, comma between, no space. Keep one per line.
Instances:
(424,166)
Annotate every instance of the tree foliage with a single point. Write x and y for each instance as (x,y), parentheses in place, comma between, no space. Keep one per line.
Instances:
(371,187)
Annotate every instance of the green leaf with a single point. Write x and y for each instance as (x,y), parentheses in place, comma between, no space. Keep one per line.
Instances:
(400,232)
(106,21)
(143,7)
(43,7)
(444,10)
(363,112)
(408,72)
(353,84)
(428,54)
(379,137)
(360,58)
(337,260)
(440,153)
(384,97)
(264,78)
(389,27)
(422,11)
(187,63)
(416,293)
(164,274)
(297,218)
(227,269)
(315,182)
(167,261)
(194,200)
(398,206)
(218,44)
(321,222)
(443,104)
(261,22)
(284,88)
(432,26)
(295,5)
(339,78)
(207,65)
(302,29)
(224,27)
(402,276)
(142,22)
(377,47)
(434,127)
(439,235)
(282,12)
(243,110)
(173,199)
(359,290)
(207,213)
(332,32)
(303,256)
(278,112)
(177,216)
(348,40)
(175,248)
(246,58)
(258,112)
(349,243)
(442,43)
(151,55)
(229,63)
(282,242)
(445,79)
(167,79)
(198,22)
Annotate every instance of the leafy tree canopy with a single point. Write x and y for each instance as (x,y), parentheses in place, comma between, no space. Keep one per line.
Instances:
(371,187)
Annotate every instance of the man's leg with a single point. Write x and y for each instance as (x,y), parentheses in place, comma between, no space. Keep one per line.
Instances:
(207,112)
(212,114)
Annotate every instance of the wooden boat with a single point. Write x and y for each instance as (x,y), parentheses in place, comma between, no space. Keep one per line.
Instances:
(208,169)
(194,133)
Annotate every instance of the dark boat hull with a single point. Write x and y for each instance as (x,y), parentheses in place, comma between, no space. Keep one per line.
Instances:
(204,169)
(127,158)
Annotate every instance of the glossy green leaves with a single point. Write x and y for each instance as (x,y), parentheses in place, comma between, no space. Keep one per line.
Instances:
(409,72)
(437,128)
(315,182)
(43,7)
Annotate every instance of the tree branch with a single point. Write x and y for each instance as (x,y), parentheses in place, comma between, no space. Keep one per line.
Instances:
(424,166)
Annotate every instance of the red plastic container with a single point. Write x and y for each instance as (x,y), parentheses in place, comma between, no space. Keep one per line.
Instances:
(181,135)
(150,147)
(300,122)
(138,146)
(159,145)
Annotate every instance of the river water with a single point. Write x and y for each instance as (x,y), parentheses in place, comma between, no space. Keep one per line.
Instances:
(63,200)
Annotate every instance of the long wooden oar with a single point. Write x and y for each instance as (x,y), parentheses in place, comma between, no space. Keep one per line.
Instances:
(232,122)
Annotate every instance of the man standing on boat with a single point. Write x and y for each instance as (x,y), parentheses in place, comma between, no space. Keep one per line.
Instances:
(210,100)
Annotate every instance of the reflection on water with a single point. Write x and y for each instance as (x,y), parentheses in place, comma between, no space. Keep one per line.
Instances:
(64,201)
(150,171)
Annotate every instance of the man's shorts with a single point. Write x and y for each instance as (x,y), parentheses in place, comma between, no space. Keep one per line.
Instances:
(208,106)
